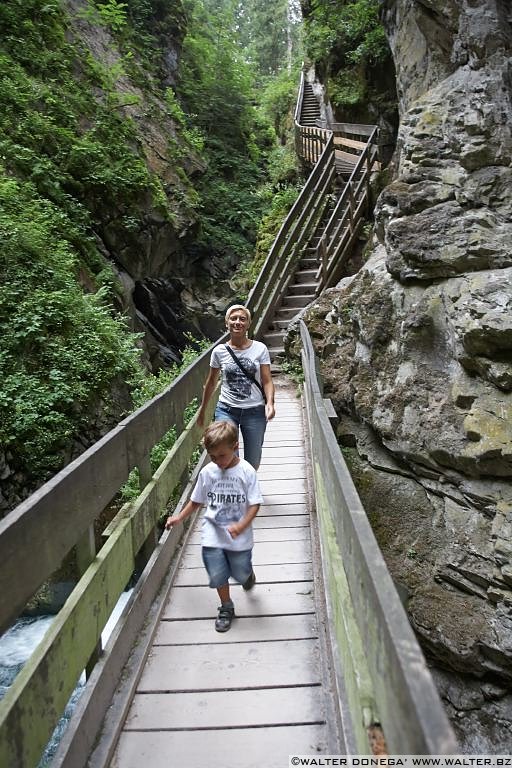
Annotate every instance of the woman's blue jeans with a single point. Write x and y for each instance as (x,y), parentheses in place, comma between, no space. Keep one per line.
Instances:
(252,423)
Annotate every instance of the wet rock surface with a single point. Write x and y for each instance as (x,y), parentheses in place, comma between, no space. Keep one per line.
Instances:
(416,355)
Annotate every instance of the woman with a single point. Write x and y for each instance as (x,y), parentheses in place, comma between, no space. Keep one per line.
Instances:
(247,390)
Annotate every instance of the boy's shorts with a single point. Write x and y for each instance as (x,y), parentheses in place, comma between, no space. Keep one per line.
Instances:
(223,563)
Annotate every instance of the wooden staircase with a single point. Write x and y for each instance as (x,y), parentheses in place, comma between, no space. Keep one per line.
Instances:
(310,112)
(347,150)
(303,287)
(315,242)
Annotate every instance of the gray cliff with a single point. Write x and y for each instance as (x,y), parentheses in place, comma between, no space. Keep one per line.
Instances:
(416,352)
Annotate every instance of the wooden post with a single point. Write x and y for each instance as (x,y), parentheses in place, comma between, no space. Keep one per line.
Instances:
(149,545)
(369,160)
(351,205)
(322,248)
(85,552)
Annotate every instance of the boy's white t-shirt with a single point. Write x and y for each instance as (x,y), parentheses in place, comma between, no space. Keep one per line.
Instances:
(236,389)
(227,493)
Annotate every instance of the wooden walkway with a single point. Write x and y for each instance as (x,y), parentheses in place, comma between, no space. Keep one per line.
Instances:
(260,692)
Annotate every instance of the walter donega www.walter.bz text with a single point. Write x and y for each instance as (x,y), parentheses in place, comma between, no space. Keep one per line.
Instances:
(418,762)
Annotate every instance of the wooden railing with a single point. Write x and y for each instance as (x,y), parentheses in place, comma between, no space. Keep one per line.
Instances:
(37,536)
(42,531)
(347,218)
(379,665)
(344,226)
(295,231)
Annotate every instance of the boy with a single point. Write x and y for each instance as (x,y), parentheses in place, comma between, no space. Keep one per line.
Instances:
(229,488)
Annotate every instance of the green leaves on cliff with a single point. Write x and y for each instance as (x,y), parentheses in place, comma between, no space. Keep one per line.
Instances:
(349,29)
(216,91)
(61,349)
(344,39)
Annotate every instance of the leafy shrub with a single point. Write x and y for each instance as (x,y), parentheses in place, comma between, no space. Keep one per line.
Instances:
(151,385)
(110,14)
(346,88)
(60,349)
(349,30)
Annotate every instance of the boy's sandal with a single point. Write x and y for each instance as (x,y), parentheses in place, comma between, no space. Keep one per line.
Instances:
(225,617)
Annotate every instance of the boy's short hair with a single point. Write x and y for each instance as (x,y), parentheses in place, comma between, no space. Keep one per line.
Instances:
(220,432)
(241,307)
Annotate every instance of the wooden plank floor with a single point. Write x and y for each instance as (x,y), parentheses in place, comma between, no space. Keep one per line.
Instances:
(256,694)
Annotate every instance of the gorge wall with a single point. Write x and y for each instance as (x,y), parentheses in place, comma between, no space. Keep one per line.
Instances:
(416,354)
(165,283)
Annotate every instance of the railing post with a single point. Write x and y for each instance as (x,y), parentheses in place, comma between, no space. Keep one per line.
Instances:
(369,162)
(85,552)
(351,203)
(145,552)
(323,264)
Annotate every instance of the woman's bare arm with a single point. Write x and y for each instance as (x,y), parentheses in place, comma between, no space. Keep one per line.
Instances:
(268,388)
(208,389)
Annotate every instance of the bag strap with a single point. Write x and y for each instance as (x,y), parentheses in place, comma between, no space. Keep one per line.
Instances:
(246,373)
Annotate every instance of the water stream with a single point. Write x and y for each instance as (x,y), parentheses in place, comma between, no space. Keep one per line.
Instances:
(16,647)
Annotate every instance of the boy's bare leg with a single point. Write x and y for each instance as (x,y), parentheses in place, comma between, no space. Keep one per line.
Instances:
(224,593)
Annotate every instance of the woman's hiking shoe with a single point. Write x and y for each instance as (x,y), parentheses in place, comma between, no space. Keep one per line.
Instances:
(251,581)
(225,617)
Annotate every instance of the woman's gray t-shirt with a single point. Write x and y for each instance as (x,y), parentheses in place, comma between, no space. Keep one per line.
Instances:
(236,389)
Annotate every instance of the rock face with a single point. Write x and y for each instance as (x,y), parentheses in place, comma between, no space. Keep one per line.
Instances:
(165,291)
(416,353)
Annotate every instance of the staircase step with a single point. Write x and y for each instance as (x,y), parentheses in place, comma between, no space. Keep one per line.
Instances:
(286,313)
(296,301)
(305,276)
(275,352)
(274,339)
(281,325)
(302,288)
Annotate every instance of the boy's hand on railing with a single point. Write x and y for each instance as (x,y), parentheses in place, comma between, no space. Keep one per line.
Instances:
(172,521)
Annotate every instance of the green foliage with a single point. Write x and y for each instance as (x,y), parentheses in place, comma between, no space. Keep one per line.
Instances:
(270,33)
(277,100)
(71,158)
(294,370)
(61,349)
(174,106)
(345,39)
(350,29)
(216,93)
(277,197)
(110,14)
(346,88)
(151,385)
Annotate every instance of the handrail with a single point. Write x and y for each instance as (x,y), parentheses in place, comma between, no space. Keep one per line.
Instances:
(389,675)
(285,251)
(82,488)
(356,129)
(41,531)
(346,220)
(300,98)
